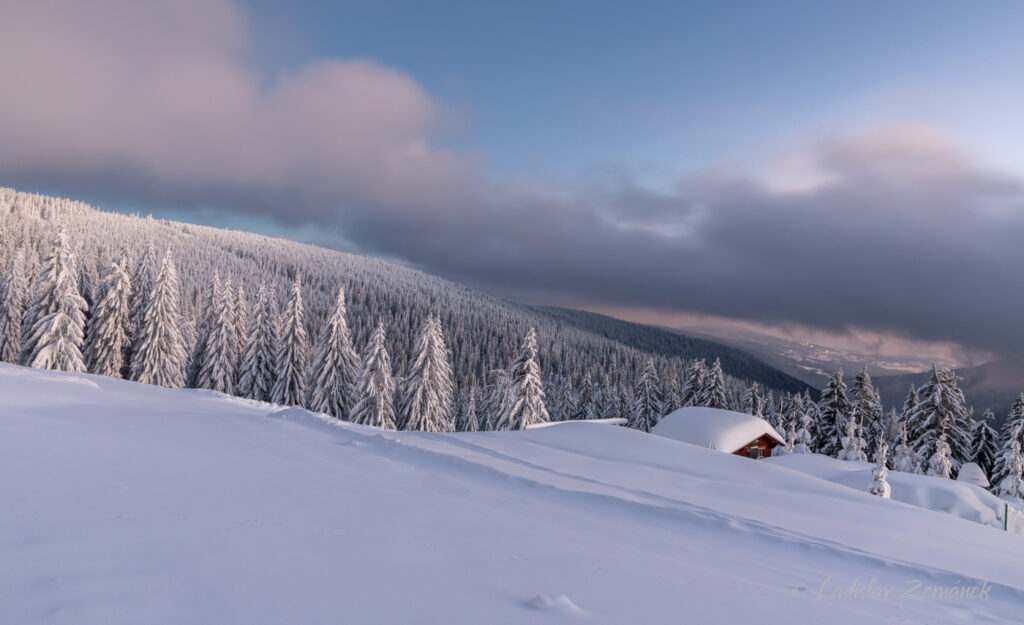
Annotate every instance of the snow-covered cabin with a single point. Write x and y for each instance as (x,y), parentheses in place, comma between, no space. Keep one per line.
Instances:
(722,430)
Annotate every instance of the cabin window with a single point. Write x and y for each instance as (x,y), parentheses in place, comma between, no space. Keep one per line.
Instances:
(756,452)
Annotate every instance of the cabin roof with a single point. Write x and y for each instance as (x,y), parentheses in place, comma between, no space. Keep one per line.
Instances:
(722,430)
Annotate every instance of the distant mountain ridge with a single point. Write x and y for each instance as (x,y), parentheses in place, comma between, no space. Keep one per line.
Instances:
(993,385)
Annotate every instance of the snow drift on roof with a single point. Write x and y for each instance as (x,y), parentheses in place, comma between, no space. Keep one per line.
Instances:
(722,430)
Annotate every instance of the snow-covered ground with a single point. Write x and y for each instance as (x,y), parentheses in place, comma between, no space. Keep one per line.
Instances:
(960,499)
(122,503)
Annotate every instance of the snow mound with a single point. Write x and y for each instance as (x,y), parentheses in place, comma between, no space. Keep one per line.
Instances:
(556,603)
(721,430)
(960,499)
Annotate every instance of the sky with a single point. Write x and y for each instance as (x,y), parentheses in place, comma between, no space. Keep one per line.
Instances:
(827,169)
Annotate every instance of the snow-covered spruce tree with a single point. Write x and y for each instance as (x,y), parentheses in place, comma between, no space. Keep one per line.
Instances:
(106,344)
(290,355)
(672,398)
(984,443)
(496,399)
(241,319)
(333,376)
(893,423)
(878,485)
(426,403)
(811,408)
(219,368)
(905,459)
(712,394)
(585,397)
(834,411)
(13,299)
(647,407)
(790,412)
(208,311)
(1012,430)
(853,445)
(375,387)
(256,371)
(753,403)
(695,375)
(1011,485)
(773,412)
(940,464)
(468,421)
(941,409)
(526,393)
(56,318)
(909,403)
(804,443)
(142,288)
(867,409)
(159,355)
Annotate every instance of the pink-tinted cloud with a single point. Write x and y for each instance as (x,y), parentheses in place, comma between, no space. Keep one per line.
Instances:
(159,98)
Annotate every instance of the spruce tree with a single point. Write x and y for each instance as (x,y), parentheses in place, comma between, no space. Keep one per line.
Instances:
(804,443)
(984,443)
(940,411)
(695,374)
(290,356)
(1011,484)
(585,398)
(159,354)
(468,421)
(256,371)
(672,397)
(13,299)
(905,459)
(647,406)
(209,309)
(375,387)
(712,394)
(334,372)
(940,464)
(909,403)
(879,486)
(753,403)
(496,399)
(56,316)
(219,368)
(241,320)
(142,288)
(834,411)
(1012,430)
(526,393)
(853,444)
(426,403)
(867,409)
(106,346)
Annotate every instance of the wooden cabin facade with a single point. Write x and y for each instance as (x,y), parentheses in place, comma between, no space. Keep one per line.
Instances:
(760,447)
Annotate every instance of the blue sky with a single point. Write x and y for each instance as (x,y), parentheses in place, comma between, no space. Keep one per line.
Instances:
(557,88)
(846,170)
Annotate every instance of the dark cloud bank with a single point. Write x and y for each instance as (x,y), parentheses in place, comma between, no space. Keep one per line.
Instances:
(894,230)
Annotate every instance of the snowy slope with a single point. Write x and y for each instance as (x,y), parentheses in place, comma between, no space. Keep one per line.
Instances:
(124,503)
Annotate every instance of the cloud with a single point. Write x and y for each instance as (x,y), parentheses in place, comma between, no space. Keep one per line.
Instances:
(157,100)
(894,230)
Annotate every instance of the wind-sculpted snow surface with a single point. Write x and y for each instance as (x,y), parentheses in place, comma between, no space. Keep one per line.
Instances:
(127,503)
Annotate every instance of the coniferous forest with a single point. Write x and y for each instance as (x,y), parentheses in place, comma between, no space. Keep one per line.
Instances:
(364,340)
